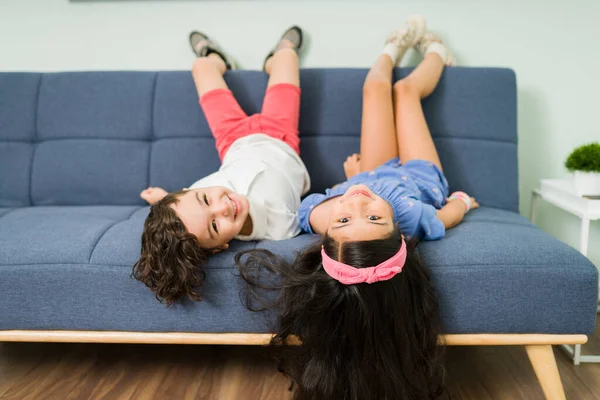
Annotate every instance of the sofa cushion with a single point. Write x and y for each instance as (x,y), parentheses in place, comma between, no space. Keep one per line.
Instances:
(83,105)
(498,271)
(74,273)
(15,173)
(18,107)
(54,235)
(109,172)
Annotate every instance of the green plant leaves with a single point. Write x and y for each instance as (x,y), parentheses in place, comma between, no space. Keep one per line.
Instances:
(585,158)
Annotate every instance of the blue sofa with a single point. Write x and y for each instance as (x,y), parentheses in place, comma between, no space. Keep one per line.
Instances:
(77,148)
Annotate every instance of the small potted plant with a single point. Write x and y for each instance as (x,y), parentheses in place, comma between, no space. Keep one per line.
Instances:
(584,162)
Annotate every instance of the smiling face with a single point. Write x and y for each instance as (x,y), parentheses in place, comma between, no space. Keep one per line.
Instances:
(215,215)
(360,215)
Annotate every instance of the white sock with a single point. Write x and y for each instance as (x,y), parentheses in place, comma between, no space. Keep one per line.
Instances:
(393,51)
(438,48)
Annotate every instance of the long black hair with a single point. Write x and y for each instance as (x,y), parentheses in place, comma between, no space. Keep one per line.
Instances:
(357,342)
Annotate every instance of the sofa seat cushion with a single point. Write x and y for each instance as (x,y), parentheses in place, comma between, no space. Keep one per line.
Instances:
(496,272)
(69,268)
(52,235)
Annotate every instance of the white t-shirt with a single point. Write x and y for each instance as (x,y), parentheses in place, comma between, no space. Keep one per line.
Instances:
(273,178)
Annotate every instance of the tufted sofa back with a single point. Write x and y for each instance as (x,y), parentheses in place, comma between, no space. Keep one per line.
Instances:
(99,138)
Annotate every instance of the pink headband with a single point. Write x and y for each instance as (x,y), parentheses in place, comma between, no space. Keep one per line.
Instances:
(349,275)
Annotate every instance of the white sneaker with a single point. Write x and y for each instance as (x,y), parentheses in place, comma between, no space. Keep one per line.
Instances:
(409,35)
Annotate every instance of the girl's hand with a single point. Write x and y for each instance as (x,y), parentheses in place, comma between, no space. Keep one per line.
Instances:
(455,210)
(352,165)
(153,194)
(466,199)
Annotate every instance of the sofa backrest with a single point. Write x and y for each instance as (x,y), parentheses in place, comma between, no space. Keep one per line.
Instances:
(99,138)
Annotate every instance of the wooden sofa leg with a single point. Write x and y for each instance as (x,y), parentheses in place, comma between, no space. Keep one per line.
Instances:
(544,365)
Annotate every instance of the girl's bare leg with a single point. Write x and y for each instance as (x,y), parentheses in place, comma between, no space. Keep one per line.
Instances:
(208,73)
(281,104)
(377,137)
(414,138)
(283,67)
(220,108)
(378,142)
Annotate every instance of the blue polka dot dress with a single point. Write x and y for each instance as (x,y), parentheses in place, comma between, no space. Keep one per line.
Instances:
(415,190)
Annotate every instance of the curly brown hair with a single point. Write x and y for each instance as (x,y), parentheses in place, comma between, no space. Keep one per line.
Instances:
(171,261)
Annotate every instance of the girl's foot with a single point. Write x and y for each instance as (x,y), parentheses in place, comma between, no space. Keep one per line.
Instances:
(432,43)
(404,38)
(202,46)
(291,39)
(352,165)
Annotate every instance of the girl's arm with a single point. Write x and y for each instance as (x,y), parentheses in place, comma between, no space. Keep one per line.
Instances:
(454,211)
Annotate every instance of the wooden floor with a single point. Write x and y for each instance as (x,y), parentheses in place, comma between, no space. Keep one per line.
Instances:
(93,371)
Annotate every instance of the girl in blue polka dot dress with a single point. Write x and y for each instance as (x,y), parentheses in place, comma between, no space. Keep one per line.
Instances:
(396,182)
(358,302)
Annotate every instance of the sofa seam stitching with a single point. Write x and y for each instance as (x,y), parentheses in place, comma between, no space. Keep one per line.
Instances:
(133,212)
(309,135)
(105,232)
(578,267)
(34,140)
(474,139)
(151,141)
(99,239)
(89,263)
(456,266)
(10,212)
(525,225)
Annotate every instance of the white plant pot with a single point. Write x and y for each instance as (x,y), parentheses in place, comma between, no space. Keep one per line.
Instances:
(587,183)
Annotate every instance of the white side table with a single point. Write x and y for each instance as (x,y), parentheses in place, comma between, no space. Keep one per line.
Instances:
(561,193)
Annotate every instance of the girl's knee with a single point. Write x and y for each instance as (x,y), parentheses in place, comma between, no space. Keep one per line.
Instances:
(286,53)
(376,87)
(405,88)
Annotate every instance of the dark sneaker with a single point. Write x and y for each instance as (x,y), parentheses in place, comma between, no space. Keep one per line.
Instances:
(294,35)
(202,46)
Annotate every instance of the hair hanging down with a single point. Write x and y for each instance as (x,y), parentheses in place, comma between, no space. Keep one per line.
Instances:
(358,342)
(171,259)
